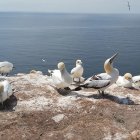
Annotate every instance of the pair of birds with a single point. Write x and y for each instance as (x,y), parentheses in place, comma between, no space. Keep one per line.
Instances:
(129,81)
(62,79)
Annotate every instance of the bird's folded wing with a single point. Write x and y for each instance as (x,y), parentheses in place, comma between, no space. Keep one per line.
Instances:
(102,76)
(1,66)
(54,80)
(54,72)
(73,70)
(136,79)
(5,63)
(97,84)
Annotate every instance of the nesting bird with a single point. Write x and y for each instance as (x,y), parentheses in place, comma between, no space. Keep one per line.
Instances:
(103,80)
(60,78)
(125,81)
(5,90)
(136,82)
(5,67)
(77,71)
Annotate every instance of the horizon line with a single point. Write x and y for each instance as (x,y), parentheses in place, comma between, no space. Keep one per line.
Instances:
(41,12)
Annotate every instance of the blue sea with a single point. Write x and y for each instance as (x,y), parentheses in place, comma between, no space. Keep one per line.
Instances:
(27,38)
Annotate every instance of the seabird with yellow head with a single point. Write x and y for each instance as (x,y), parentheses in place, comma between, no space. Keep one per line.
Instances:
(60,78)
(77,71)
(103,80)
(125,81)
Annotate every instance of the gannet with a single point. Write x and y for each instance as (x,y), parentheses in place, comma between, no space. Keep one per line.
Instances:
(5,90)
(103,80)
(5,67)
(77,71)
(125,81)
(60,78)
(128,4)
(136,82)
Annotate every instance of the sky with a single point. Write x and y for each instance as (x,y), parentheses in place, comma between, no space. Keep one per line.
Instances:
(70,6)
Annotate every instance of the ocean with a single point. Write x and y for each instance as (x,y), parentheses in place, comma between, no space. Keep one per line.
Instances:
(27,38)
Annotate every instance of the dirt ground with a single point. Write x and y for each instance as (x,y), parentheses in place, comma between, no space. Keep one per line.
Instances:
(36,111)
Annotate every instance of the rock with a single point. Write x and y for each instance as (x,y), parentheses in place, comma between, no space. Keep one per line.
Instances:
(135,135)
(36,72)
(33,71)
(58,118)
(38,111)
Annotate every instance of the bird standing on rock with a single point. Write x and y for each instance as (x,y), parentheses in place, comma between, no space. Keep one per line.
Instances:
(60,78)
(103,80)
(77,71)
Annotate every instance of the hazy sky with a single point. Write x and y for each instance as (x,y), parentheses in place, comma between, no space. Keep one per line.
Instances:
(70,6)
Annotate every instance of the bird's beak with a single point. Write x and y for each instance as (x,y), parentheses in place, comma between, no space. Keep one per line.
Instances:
(113,57)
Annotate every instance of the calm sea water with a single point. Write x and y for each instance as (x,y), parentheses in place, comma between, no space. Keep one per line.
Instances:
(26,38)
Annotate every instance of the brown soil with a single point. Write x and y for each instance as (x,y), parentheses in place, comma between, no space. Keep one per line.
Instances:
(37,111)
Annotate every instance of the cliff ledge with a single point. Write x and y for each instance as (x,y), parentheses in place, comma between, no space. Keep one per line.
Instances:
(38,111)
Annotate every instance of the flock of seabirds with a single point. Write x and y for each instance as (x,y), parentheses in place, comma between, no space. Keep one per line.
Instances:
(61,79)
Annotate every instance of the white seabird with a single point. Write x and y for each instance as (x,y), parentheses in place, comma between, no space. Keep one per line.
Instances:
(103,80)
(43,60)
(77,71)
(5,67)
(136,82)
(60,78)
(5,90)
(125,81)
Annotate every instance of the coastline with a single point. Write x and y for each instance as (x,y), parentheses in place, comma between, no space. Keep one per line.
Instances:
(38,111)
